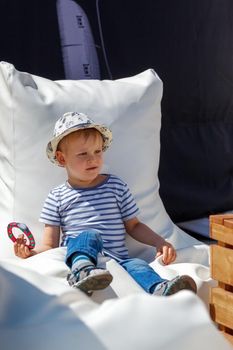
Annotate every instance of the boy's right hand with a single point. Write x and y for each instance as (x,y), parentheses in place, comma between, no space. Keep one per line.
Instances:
(21,249)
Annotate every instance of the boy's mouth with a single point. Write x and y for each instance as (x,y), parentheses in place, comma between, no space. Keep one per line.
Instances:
(92,168)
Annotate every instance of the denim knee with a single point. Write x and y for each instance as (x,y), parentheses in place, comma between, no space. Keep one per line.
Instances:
(87,242)
(134,263)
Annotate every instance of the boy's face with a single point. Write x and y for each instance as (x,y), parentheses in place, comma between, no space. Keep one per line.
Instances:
(82,156)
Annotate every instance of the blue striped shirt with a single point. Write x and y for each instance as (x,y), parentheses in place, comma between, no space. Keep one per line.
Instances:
(102,208)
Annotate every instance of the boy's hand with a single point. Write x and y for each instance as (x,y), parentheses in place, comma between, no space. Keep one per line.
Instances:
(168,251)
(21,249)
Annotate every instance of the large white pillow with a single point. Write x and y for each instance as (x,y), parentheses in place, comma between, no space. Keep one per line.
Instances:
(29,107)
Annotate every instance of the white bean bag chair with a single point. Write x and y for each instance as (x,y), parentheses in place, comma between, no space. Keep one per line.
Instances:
(37,306)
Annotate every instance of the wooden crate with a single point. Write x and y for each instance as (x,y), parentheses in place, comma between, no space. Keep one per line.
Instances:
(221,266)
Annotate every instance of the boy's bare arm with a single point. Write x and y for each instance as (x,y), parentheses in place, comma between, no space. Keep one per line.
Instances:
(50,240)
(144,234)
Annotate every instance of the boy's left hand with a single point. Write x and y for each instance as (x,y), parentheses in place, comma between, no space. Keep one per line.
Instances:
(168,251)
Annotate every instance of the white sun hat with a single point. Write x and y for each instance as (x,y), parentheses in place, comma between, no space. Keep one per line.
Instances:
(70,122)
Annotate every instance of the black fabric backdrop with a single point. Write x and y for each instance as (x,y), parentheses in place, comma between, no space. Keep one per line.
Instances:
(189,44)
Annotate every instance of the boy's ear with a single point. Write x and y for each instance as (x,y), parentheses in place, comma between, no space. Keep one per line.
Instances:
(60,158)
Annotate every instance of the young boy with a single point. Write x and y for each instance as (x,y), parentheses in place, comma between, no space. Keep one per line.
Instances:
(94,211)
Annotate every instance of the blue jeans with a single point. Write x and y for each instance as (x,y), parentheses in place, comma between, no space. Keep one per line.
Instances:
(90,243)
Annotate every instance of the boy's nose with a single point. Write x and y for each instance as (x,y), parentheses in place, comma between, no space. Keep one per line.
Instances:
(91,157)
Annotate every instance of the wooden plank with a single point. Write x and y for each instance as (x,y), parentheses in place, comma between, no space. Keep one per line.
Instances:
(221,266)
(228,223)
(219,219)
(221,303)
(221,233)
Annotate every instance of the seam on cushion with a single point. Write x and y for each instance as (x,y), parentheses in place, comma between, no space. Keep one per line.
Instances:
(10,84)
(7,72)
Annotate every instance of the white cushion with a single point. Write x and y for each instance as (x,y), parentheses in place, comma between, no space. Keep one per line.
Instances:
(41,311)
(29,107)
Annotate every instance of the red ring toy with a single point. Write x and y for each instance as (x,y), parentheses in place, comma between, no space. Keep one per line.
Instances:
(24,229)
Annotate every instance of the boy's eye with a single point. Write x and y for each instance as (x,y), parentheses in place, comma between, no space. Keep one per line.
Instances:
(83,154)
(98,151)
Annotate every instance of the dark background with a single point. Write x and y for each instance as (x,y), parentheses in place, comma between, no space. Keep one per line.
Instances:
(189,44)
